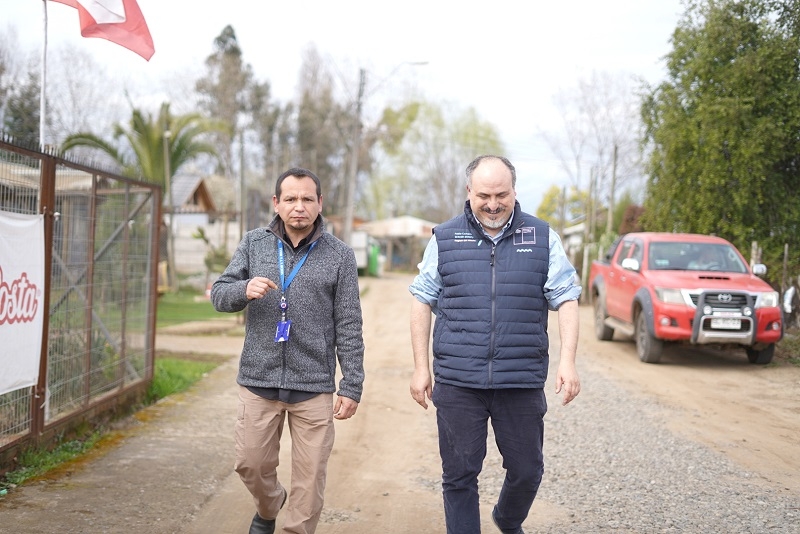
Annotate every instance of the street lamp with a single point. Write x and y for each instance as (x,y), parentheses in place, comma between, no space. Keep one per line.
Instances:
(352,174)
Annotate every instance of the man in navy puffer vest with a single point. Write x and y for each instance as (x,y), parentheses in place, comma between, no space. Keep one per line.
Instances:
(490,276)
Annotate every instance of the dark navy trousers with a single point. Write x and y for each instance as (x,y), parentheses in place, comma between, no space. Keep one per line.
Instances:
(462,415)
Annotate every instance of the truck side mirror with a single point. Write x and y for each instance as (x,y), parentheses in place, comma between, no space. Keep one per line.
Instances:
(759,269)
(631,264)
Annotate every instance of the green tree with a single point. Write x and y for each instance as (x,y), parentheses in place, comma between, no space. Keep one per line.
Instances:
(575,205)
(322,130)
(224,95)
(21,117)
(550,207)
(12,60)
(600,135)
(721,131)
(423,174)
(6,56)
(324,136)
(266,117)
(380,194)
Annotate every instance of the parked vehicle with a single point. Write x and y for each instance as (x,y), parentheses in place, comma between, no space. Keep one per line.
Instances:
(684,288)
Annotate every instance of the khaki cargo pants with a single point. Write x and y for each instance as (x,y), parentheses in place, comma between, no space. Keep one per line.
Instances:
(259,427)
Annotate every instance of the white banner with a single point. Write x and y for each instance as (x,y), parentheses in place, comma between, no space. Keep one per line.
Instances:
(21,299)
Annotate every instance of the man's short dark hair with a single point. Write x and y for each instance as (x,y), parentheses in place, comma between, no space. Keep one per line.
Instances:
(477,161)
(297,172)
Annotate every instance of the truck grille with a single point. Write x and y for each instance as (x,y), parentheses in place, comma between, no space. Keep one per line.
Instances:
(722,300)
(726,322)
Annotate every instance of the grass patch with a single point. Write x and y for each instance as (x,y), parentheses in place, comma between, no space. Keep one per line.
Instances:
(174,375)
(183,306)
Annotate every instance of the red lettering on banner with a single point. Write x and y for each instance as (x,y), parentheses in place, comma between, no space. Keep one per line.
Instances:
(18,301)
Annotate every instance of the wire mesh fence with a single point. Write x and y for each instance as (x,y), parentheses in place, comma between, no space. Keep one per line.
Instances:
(101,253)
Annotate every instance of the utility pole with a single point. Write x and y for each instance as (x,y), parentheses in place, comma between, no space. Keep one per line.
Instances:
(610,218)
(242,188)
(593,204)
(350,189)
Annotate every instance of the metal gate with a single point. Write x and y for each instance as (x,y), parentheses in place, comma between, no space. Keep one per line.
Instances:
(101,255)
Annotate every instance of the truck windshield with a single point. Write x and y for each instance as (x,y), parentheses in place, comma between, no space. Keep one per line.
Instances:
(694,257)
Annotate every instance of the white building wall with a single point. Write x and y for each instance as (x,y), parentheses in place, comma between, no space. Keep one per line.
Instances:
(190,251)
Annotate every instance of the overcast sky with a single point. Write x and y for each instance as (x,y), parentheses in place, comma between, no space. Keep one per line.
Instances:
(506,58)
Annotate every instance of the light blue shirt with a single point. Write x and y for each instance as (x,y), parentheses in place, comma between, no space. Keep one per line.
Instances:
(559,287)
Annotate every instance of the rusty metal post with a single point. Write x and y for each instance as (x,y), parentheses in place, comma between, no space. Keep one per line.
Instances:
(47,204)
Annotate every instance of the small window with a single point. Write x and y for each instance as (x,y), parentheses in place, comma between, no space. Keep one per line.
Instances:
(625,251)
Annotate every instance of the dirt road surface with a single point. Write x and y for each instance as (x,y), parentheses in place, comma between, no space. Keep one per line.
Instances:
(171,471)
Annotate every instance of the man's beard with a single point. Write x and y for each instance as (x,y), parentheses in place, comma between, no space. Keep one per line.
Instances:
(299,226)
(493,224)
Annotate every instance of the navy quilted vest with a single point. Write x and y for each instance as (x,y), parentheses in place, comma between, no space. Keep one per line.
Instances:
(491,324)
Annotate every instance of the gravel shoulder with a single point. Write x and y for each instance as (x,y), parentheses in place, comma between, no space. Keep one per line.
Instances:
(703,442)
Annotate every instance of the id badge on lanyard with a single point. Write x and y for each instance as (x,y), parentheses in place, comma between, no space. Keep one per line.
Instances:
(285,325)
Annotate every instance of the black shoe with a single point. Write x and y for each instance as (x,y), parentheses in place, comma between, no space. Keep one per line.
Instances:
(505,530)
(265,526)
(262,526)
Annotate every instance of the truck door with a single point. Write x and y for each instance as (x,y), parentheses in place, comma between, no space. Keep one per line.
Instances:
(630,282)
(617,277)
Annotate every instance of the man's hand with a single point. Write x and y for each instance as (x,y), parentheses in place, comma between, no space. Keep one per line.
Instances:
(421,387)
(257,287)
(567,379)
(345,408)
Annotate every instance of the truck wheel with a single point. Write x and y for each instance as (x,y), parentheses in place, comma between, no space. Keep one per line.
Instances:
(601,330)
(648,347)
(761,357)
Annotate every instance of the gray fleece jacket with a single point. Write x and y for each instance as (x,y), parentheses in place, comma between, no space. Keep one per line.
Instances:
(323,305)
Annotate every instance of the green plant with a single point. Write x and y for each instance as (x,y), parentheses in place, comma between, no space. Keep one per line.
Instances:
(217,258)
(789,348)
(36,462)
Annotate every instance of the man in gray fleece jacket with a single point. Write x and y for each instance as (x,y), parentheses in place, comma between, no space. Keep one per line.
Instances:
(300,286)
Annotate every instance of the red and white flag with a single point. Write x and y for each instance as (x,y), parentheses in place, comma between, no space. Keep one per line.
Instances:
(119,21)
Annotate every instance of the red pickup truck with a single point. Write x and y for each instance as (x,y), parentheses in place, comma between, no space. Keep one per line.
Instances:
(689,288)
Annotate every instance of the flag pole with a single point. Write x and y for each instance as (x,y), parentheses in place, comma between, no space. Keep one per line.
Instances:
(43,87)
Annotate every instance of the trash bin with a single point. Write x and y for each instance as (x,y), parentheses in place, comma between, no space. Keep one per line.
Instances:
(374,263)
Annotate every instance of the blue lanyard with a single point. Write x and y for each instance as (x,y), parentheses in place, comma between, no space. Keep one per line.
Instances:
(285,283)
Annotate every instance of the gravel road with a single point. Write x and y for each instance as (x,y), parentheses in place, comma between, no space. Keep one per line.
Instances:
(613,464)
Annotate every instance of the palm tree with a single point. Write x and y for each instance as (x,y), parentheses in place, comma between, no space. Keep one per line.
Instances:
(147,137)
